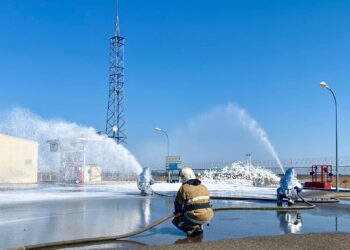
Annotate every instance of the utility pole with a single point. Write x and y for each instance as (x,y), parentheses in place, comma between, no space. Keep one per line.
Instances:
(115,124)
(248,159)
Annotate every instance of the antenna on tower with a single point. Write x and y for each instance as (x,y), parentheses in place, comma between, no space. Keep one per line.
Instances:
(116,21)
(115,124)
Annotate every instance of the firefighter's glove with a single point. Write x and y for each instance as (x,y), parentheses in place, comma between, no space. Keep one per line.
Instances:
(298,189)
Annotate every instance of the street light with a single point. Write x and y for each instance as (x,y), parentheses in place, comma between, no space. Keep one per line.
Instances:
(161,130)
(324,85)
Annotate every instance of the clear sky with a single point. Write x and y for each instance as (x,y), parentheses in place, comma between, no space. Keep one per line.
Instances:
(183,60)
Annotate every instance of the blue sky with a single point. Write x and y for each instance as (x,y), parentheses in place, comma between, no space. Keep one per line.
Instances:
(183,59)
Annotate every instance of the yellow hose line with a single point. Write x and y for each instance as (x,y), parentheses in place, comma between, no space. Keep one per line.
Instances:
(320,200)
(67,243)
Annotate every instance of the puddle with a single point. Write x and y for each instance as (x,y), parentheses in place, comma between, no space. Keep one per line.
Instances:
(63,213)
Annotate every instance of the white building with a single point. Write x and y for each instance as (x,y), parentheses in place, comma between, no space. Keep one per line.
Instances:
(18,160)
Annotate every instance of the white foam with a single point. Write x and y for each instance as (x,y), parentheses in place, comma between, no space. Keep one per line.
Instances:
(223,189)
(55,193)
(67,193)
(240,173)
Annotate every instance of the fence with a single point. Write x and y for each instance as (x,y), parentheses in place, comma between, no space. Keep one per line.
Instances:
(302,166)
(343,170)
(107,175)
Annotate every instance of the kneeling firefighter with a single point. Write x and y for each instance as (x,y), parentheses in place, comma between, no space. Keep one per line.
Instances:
(192,207)
(289,188)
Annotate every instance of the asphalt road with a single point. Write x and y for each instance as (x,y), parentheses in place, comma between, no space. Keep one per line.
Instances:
(286,242)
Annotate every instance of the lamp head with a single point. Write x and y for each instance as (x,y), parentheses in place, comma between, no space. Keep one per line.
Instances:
(323,85)
(158,129)
(115,129)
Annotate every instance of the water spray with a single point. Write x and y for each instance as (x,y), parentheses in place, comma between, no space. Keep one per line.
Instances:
(222,121)
(248,122)
(98,150)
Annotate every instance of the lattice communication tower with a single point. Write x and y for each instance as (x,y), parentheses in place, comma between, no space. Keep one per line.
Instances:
(115,125)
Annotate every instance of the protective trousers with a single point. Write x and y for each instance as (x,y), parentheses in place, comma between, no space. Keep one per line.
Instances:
(186,225)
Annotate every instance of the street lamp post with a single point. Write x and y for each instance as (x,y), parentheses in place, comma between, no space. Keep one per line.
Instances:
(163,131)
(325,86)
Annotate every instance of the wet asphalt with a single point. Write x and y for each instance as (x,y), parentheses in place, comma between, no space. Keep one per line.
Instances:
(113,213)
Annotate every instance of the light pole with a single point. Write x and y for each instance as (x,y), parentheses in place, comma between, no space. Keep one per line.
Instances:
(324,85)
(248,159)
(161,130)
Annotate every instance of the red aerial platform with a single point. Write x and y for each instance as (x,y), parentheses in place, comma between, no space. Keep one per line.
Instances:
(321,177)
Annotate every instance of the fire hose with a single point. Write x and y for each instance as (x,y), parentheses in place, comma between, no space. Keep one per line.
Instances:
(68,243)
(313,200)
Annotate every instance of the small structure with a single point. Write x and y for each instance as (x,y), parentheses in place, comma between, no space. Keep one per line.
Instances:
(18,160)
(173,164)
(73,167)
(91,174)
(321,177)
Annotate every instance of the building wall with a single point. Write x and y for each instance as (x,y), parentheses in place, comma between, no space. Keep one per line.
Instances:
(92,173)
(18,160)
